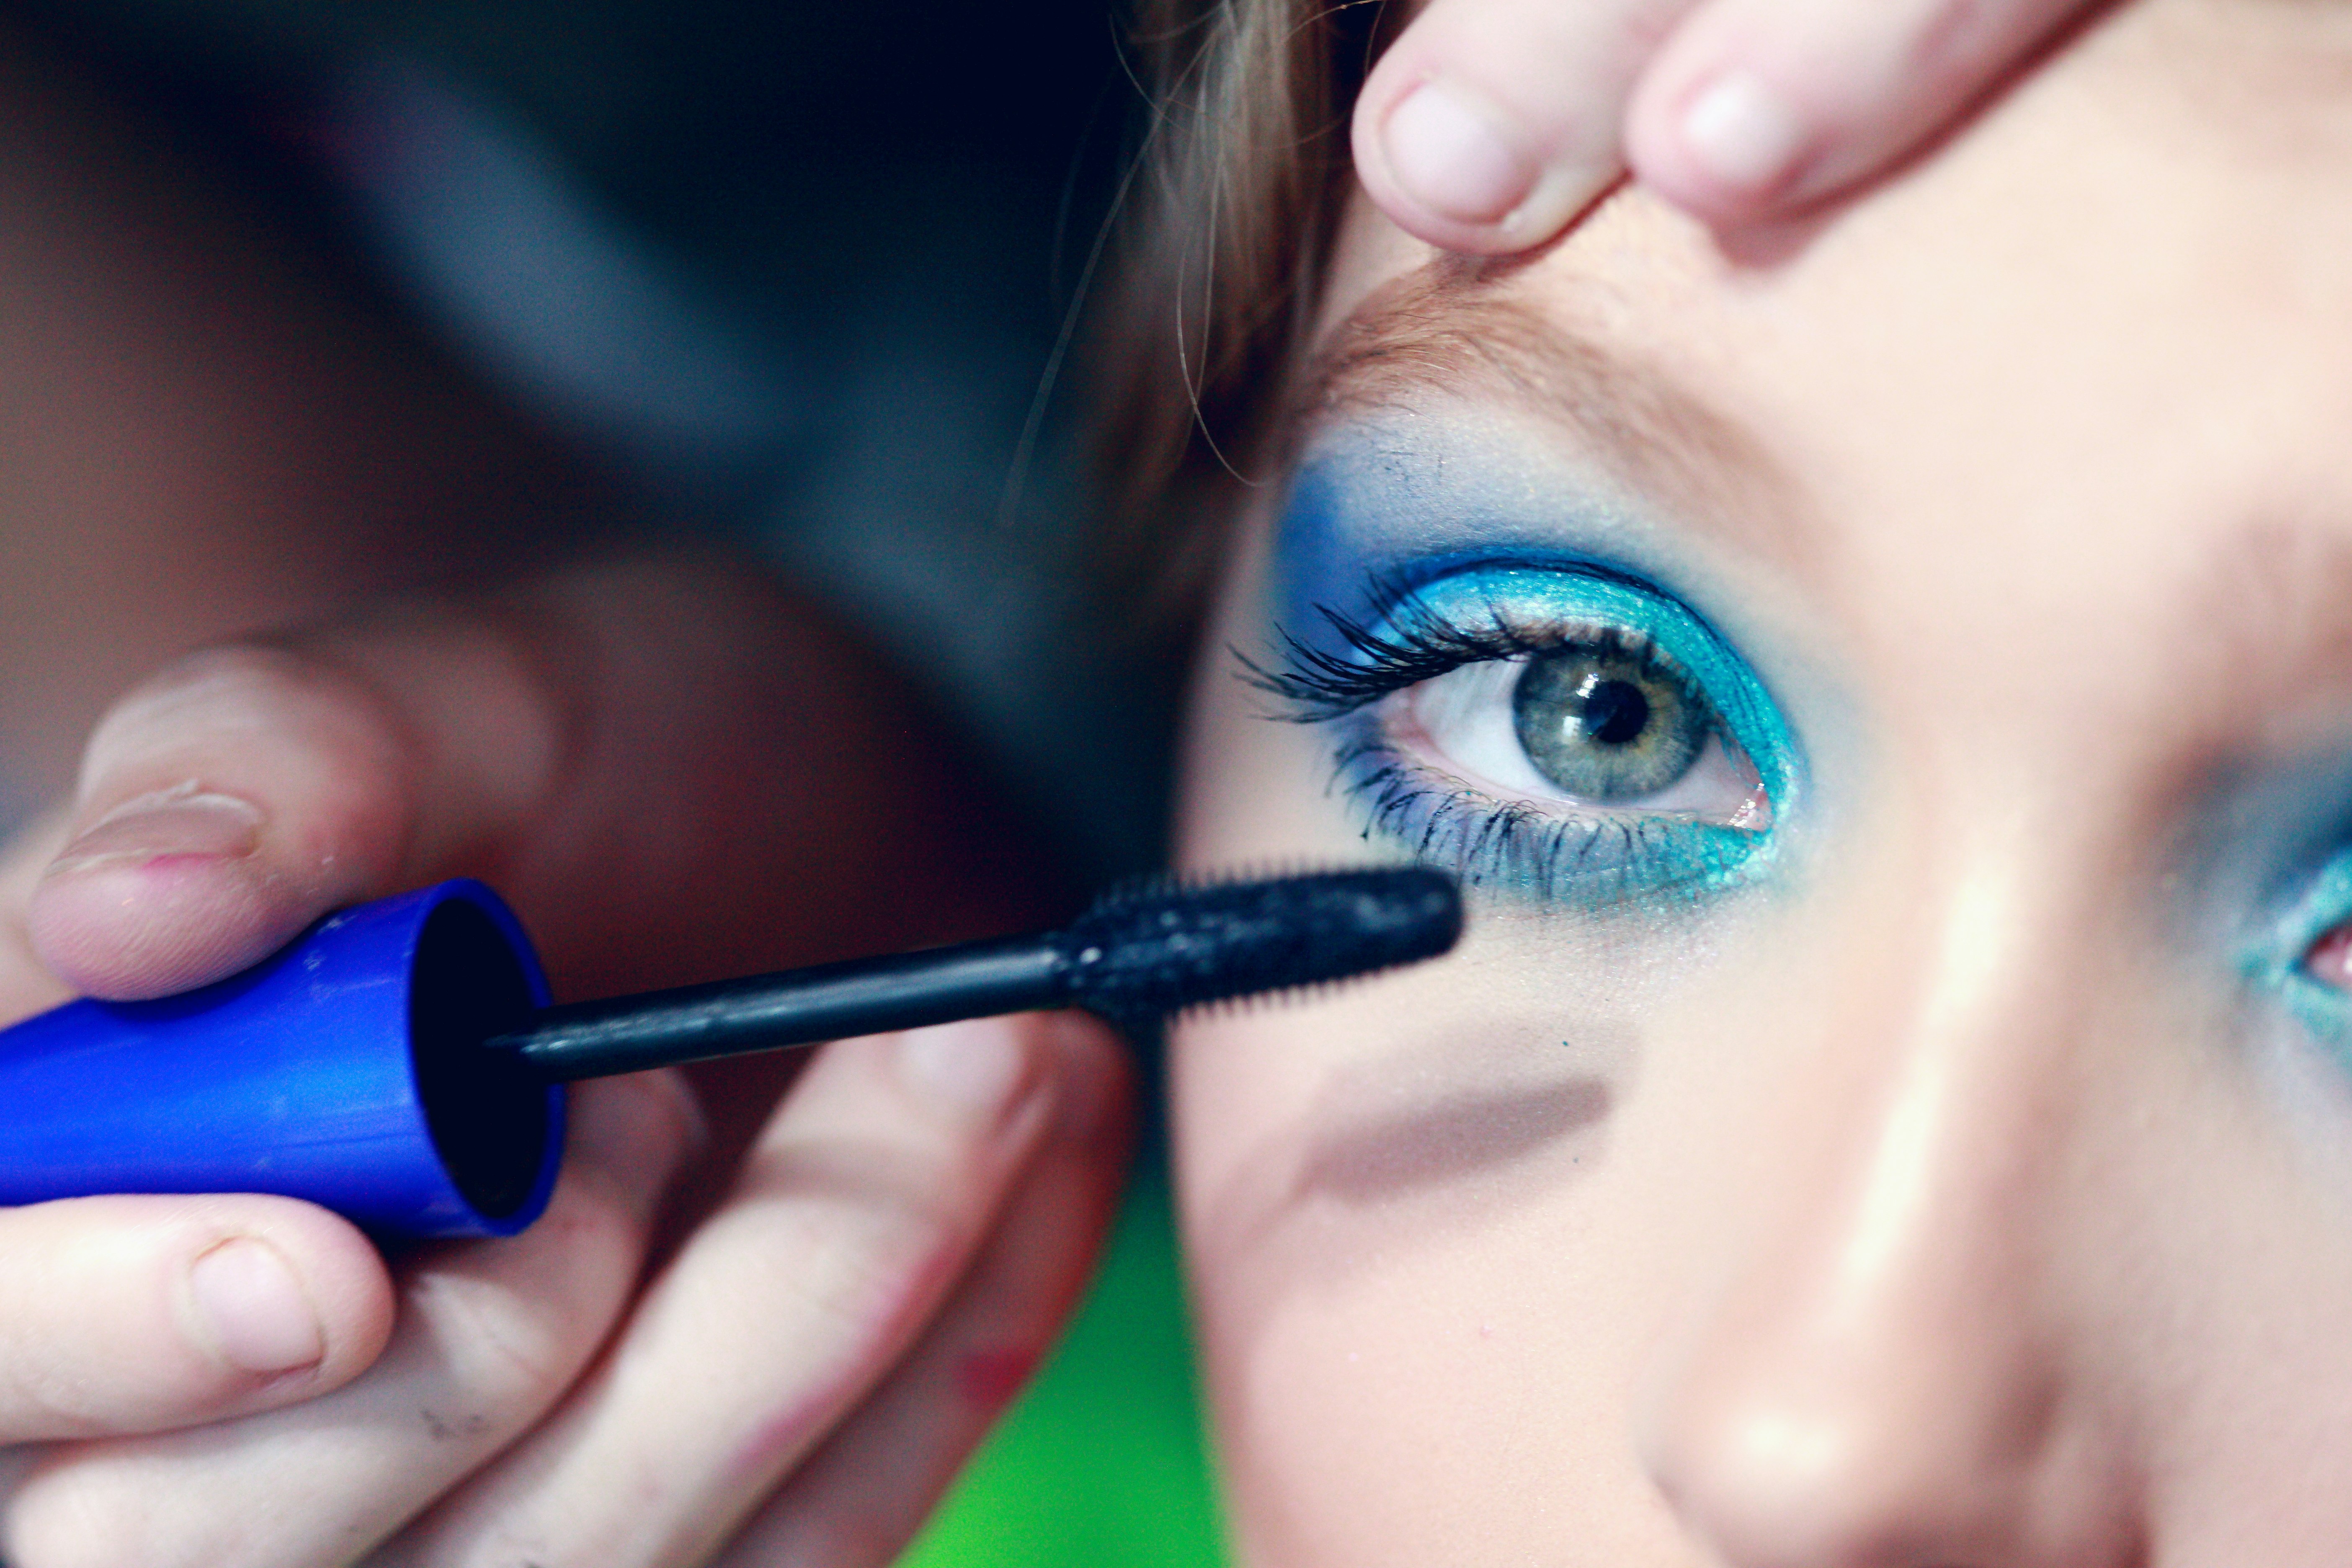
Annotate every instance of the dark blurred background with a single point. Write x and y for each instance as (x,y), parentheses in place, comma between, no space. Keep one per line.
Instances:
(800,270)
(800,273)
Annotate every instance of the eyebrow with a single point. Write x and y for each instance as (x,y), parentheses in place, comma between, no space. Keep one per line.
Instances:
(1453,326)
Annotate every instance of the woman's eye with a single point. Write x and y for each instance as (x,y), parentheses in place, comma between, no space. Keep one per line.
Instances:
(1599,722)
(2329,960)
(1569,731)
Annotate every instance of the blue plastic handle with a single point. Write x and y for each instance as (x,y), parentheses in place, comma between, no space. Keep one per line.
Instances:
(346,1070)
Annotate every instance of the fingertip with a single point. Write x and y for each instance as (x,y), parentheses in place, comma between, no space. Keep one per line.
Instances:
(126,926)
(225,804)
(1722,138)
(287,1300)
(1752,112)
(1727,120)
(341,1275)
(1489,126)
(1443,162)
(976,1076)
(1449,165)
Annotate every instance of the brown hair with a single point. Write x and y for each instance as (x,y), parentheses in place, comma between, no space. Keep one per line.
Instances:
(1244,173)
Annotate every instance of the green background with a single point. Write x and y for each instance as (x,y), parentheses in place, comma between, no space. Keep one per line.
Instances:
(1100,1465)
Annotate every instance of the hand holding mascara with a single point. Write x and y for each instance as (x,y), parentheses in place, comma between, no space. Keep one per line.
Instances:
(398,1062)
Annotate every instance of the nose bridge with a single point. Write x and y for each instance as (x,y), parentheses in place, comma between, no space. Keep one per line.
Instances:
(1958,1083)
(1875,1381)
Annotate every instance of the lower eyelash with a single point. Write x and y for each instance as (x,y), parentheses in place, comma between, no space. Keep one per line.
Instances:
(1516,844)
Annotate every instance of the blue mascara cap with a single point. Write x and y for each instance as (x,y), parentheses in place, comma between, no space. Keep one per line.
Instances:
(344,1071)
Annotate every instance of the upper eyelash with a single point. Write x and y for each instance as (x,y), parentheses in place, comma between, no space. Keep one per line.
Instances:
(1418,644)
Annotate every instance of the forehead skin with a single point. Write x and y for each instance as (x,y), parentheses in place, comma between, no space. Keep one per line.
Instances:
(2130,362)
(2046,447)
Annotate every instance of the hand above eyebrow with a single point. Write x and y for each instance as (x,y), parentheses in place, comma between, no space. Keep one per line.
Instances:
(1489,124)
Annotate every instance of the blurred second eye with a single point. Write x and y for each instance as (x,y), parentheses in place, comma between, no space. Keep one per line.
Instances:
(2329,960)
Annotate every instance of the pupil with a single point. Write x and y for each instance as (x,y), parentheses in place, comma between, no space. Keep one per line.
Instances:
(1615,711)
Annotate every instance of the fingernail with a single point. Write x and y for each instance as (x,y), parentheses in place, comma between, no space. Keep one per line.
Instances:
(1741,134)
(182,820)
(254,1310)
(1455,157)
(976,1070)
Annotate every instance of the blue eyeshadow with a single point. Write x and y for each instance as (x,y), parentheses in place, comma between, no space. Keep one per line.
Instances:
(1374,540)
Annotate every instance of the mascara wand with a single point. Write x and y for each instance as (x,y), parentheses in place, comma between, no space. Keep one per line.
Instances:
(1133,958)
(398,1061)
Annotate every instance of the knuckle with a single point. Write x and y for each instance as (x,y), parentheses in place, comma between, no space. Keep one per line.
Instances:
(252,691)
(43,1397)
(506,1352)
(98,1372)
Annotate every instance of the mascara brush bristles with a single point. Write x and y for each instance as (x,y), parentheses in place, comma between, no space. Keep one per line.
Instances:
(1170,950)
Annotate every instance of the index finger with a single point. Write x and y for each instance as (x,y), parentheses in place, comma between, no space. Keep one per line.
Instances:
(1756,107)
(1489,124)
(246,790)
(672,767)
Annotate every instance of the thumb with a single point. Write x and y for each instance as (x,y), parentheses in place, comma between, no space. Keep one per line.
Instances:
(239,794)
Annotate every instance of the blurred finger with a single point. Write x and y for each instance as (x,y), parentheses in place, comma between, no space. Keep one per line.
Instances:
(490,1335)
(233,797)
(1488,125)
(858,1211)
(26,983)
(623,749)
(137,1314)
(1756,107)
(858,1499)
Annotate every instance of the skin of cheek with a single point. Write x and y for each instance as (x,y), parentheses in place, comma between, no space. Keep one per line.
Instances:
(1389,1196)
(1457,1235)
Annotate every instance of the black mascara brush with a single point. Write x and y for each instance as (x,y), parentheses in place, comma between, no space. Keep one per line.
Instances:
(1133,958)
(398,1062)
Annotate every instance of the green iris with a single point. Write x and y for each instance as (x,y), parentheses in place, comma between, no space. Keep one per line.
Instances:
(1608,723)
